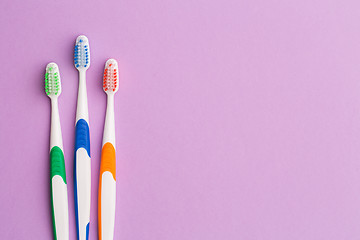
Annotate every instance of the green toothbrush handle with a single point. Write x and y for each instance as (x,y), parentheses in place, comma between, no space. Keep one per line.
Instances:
(59,198)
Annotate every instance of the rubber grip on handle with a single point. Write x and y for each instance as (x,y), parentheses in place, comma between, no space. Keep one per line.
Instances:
(107,213)
(59,200)
(108,162)
(82,136)
(57,163)
(82,140)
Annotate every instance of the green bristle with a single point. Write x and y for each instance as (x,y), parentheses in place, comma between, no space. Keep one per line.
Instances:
(52,81)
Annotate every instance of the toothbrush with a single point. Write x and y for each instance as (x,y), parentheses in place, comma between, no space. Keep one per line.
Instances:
(82,168)
(59,198)
(107,182)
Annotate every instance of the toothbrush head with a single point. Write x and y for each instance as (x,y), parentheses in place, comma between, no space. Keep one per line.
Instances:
(82,53)
(111,76)
(52,80)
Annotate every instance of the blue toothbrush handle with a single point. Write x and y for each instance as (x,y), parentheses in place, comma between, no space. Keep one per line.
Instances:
(82,178)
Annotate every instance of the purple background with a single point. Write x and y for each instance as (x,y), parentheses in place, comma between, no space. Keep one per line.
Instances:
(235,119)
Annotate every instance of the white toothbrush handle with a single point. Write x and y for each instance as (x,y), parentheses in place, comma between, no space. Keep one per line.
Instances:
(59,198)
(107,200)
(82,170)
(107,182)
(82,111)
(60,208)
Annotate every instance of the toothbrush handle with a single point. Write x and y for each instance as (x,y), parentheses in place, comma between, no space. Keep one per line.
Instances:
(82,178)
(59,199)
(107,192)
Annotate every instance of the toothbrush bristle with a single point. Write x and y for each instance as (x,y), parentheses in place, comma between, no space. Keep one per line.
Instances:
(82,52)
(111,76)
(52,80)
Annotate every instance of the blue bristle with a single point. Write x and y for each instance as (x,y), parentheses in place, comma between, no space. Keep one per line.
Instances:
(81,54)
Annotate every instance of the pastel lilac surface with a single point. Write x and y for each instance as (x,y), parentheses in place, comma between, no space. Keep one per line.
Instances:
(234,119)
